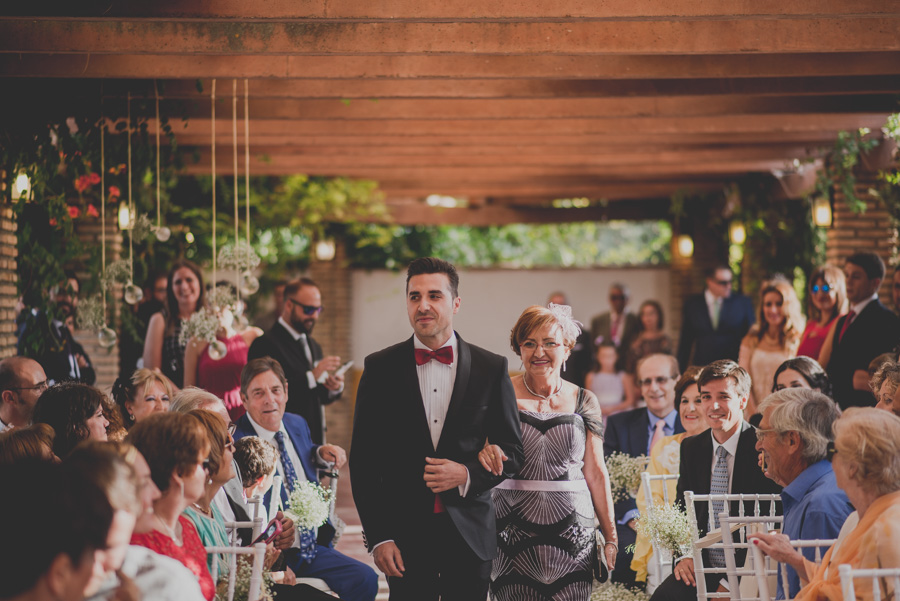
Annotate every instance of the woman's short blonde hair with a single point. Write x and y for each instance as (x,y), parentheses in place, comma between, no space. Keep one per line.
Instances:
(870,439)
(532,319)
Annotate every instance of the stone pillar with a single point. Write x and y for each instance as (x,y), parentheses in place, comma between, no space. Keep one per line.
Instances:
(9,278)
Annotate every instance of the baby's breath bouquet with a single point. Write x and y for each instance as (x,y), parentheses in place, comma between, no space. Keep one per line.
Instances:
(625,474)
(239,256)
(91,315)
(221,297)
(310,505)
(242,584)
(202,325)
(615,591)
(668,527)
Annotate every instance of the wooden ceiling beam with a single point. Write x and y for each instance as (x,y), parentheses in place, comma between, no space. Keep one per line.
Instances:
(724,35)
(481,66)
(488,216)
(544,190)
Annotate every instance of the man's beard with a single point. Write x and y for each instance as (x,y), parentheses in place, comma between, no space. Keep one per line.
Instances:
(303,328)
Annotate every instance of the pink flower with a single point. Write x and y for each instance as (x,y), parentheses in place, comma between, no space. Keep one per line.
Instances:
(74,212)
(82,183)
(114,193)
(53,222)
(94,178)
(92,211)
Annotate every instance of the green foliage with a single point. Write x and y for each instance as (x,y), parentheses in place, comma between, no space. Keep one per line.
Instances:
(839,165)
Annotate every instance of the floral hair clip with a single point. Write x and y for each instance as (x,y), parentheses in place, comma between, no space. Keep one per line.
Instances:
(570,326)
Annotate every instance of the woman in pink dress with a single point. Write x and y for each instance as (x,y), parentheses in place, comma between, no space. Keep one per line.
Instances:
(827,301)
(221,377)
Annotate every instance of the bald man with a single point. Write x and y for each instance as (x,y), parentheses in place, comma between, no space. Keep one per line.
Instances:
(22,380)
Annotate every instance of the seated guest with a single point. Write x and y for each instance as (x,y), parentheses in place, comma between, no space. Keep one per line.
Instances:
(827,300)
(75,412)
(801,372)
(664,460)
(264,393)
(56,556)
(145,392)
(865,456)
(31,442)
(22,381)
(176,449)
(792,437)
(721,460)
(885,383)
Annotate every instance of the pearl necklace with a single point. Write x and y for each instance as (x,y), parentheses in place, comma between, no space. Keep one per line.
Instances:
(168,530)
(540,396)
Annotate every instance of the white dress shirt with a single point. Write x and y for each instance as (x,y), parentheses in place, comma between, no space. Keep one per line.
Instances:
(713,303)
(858,307)
(310,377)
(731,446)
(436,385)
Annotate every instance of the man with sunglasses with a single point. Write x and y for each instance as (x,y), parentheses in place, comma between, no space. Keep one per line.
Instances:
(715,321)
(290,342)
(22,381)
(618,325)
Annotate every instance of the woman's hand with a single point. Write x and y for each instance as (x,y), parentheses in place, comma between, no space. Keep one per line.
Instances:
(491,458)
(779,548)
(610,551)
(272,555)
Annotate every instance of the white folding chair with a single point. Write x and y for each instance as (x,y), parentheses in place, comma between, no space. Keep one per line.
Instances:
(767,569)
(751,568)
(661,559)
(713,540)
(876,577)
(232,528)
(254,503)
(257,551)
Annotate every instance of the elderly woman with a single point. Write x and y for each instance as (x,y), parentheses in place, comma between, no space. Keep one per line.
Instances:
(563,481)
(801,372)
(75,412)
(144,393)
(664,460)
(176,449)
(885,383)
(865,456)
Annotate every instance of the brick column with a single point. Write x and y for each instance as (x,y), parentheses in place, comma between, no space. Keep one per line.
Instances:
(9,278)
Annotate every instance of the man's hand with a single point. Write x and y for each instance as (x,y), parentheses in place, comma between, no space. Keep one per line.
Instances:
(684,572)
(861,380)
(334,454)
(388,560)
(329,363)
(286,538)
(443,474)
(632,523)
(127,589)
(334,383)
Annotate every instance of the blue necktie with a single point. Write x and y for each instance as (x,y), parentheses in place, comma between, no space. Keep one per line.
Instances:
(307,537)
(719,486)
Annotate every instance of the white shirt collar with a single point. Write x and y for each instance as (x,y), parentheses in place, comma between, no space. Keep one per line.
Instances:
(297,335)
(730,445)
(858,307)
(265,433)
(452,342)
(711,298)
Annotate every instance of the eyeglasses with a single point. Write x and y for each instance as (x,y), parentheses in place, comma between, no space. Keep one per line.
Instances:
(40,386)
(532,346)
(823,288)
(232,428)
(761,433)
(830,451)
(724,282)
(616,297)
(229,443)
(307,309)
(648,382)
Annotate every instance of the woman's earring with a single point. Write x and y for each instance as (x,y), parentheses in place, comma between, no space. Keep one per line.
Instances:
(131,416)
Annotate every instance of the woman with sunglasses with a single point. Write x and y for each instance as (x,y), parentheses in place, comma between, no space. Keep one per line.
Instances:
(827,300)
(222,377)
(176,448)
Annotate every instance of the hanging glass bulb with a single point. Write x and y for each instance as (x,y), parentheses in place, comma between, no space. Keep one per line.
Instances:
(241,323)
(163,234)
(133,294)
(106,337)
(216,350)
(249,284)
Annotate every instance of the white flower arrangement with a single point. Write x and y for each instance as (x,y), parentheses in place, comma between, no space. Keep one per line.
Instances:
(91,315)
(625,474)
(141,227)
(242,584)
(117,272)
(221,297)
(239,256)
(668,527)
(310,505)
(202,325)
(616,591)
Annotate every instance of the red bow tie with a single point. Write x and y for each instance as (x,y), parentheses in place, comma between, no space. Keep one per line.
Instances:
(443,354)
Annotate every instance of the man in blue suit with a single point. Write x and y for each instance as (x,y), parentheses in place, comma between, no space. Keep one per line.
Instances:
(264,392)
(714,322)
(634,433)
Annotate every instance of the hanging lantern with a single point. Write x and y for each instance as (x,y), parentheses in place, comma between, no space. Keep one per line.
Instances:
(106,337)
(685,246)
(217,350)
(822,213)
(736,232)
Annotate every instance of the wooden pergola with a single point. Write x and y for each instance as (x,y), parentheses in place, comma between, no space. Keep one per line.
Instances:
(509,104)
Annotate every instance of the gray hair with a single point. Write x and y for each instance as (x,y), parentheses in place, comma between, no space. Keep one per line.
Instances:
(809,413)
(870,438)
(192,398)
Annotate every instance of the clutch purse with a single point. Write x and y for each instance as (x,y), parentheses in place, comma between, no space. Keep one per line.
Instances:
(601,570)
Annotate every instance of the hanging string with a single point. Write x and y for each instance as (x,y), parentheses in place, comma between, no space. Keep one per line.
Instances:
(158,203)
(212,97)
(103,210)
(131,216)
(247,156)
(234,104)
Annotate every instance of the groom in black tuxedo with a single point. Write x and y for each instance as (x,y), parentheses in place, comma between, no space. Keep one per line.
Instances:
(424,409)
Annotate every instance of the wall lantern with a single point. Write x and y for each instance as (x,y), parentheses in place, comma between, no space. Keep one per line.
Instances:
(21,186)
(685,245)
(124,216)
(325,250)
(822,213)
(736,232)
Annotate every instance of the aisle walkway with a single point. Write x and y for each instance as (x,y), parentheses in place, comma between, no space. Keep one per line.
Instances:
(351,542)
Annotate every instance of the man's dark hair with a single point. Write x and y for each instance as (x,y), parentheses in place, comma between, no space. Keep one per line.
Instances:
(710,272)
(434,265)
(726,368)
(868,262)
(294,286)
(42,489)
(260,366)
(811,371)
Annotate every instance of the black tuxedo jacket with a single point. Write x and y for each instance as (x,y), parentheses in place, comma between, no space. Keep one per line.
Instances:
(710,344)
(875,330)
(302,400)
(695,474)
(629,432)
(391,440)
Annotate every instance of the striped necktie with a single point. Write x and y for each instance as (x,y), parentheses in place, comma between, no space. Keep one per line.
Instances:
(719,486)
